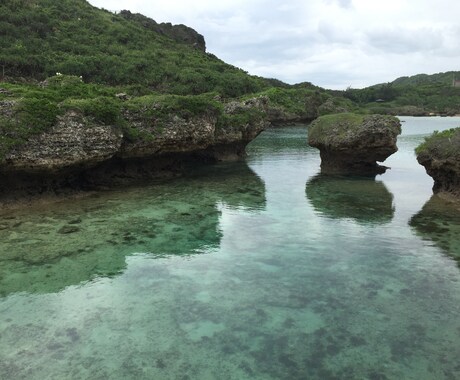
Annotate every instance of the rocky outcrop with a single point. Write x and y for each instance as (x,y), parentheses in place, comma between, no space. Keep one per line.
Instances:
(78,152)
(350,143)
(207,134)
(180,33)
(440,155)
(74,142)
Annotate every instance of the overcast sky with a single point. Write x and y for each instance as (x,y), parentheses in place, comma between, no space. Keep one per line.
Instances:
(331,43)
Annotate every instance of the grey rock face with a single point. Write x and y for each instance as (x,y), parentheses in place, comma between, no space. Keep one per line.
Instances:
(73,142)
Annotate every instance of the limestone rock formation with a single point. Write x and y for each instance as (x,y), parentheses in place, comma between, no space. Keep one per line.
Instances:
(350,143)
(180,33)
(80,152)
(201,134)
(73,142)
(440,155)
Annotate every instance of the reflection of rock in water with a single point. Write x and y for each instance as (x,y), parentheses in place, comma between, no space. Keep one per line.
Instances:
(439,221)
(45,249)
(234,184)
(360,198)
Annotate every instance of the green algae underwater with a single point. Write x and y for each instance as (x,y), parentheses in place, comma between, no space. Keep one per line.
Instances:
(263,269)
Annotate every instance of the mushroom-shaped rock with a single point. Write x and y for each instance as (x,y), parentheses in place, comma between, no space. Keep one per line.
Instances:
(440,155)
(351,143)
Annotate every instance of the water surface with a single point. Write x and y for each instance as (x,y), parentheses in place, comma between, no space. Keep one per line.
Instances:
(262,269)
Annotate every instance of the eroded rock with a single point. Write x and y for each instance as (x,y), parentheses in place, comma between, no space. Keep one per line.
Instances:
(73,142)
(440,155)
(350,143)
(151,141)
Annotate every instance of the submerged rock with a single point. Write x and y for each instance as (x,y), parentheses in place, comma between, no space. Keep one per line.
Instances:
(99,233)
(440,155)
(350,143)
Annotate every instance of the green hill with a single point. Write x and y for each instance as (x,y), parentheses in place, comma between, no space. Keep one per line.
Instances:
(420,94)
(43,37)
(423,79)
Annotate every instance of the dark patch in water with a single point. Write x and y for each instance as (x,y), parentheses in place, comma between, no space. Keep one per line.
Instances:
(159,363)
(377,376)
(68,230)
(53,346)
(72,333)
(357,341)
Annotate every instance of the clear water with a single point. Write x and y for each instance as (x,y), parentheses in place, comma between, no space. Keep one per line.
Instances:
(256,270)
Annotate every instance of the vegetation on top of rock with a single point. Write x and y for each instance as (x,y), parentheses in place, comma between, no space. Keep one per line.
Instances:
(443,145)
(334,126)
(302,103)
(440,155)
(351,143)
(27,109)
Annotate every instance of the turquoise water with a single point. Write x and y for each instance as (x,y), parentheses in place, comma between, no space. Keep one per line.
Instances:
(261,269)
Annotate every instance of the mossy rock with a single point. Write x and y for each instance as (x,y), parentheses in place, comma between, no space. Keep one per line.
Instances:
(354,143)
(440,155)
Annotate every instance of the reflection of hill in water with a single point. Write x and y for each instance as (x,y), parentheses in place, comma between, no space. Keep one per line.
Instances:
(360,198)
(47,248)
(439,222)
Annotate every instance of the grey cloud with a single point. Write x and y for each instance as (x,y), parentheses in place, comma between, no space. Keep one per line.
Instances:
(275,49)
(403,41)
(332,34)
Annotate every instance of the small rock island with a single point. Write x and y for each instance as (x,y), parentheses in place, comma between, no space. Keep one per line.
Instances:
(440,155)
(352,144)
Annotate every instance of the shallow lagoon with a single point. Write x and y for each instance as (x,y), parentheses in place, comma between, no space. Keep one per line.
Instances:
(256,270)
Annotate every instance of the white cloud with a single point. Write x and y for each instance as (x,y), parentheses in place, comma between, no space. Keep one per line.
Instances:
(331,43)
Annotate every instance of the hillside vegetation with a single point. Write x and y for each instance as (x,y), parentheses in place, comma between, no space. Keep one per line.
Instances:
(416,95)
(132,53)
(43,37)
